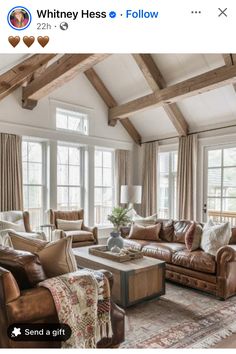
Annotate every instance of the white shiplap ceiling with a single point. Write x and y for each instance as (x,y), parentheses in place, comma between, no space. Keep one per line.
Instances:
(124,80)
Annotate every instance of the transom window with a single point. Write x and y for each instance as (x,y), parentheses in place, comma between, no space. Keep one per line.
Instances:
(167,184)
(68,177)
(71,120)
(33,182)
(104,185)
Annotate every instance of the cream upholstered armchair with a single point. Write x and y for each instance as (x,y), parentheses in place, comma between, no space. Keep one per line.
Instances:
(17,221)
(73,222)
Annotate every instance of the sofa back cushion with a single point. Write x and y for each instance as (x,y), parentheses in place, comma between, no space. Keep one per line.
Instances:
(232,240)
(180,229)
(148,233)
(167,229)
(24,266)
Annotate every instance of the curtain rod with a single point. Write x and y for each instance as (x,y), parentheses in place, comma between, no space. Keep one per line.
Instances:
(197,132)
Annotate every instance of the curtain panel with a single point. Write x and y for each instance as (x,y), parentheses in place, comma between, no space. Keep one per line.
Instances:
(11,184)
(122,172)
(149,184)
(187,177)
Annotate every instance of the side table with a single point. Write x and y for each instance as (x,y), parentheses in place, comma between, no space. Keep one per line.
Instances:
(49,228)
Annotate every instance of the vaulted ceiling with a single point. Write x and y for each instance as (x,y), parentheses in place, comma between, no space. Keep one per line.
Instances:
(174,97)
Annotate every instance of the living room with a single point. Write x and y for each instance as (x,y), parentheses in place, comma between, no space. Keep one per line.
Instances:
(151,135)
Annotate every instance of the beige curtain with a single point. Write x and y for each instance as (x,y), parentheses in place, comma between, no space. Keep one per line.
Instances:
(122,171)
(11,195)
(149,189)
(187,177)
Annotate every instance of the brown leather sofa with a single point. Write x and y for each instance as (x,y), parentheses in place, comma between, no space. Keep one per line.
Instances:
(22,302)
(87,236)
(197,269)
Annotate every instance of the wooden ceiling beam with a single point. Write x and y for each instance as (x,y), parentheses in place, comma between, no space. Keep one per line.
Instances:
(16,76)
(156,82)
(230,59)
(57,74)
(210,80)
(109,100)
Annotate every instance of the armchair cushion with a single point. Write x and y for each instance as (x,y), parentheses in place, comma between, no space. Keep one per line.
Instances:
(25,267)
(69,225)
(4,225)
(80,235)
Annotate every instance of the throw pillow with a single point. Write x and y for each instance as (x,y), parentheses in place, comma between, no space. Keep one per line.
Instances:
(149,220)
(149,233)
(57,257)
(193,237)
(26,243)
(6,225)
(69,225)
(215,236)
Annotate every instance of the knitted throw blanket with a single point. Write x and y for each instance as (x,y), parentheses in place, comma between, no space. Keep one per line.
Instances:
(82,300)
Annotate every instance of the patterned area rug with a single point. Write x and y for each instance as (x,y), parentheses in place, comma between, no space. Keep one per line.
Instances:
(183,318)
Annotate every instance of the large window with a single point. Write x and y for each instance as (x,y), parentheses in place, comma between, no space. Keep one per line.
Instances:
(167,184)
(68,177)
(104,185)
(72,120)
(221,184)
(33,181)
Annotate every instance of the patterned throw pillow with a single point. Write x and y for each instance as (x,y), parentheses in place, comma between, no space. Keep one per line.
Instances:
(69,225)
(149,220)
(193,237)
(215,236)
(149,233)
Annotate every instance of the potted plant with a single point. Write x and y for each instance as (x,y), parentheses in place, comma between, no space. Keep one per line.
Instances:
(118,218)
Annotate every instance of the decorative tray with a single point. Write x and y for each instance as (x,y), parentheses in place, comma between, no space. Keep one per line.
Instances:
(102,251)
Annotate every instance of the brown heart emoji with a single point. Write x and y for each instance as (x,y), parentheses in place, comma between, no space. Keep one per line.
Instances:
(43,41)
(14,40)
(28,40)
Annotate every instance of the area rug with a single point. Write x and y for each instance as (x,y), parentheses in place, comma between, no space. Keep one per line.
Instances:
(183,318)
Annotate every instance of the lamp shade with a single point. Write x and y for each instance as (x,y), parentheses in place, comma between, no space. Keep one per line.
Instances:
(131,194)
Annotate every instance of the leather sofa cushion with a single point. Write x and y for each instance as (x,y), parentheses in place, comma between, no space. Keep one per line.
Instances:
(196,260)
(24,266)
(233,236)
(180,229)
(80,236)
(135,244)
(161,250)
(167,230)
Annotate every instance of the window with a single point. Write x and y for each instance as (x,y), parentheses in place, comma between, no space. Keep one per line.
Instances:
(71,120)
(104,185)
(68,177)
(167,184)
(221,184)
(33,181)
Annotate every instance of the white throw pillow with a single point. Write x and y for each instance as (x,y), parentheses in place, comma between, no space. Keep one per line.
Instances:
(149,220)
(215,236)
(6,225)
(69,225)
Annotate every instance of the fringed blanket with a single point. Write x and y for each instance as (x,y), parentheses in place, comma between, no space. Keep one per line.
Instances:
(82,300)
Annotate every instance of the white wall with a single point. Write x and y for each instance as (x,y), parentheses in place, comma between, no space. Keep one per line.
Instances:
(39,122)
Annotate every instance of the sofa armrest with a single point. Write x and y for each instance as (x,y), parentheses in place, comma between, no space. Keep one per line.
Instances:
(224,255)
(94,231)
(9,290)
(57,234)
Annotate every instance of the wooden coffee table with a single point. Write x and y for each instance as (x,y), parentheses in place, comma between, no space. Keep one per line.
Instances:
(134,281)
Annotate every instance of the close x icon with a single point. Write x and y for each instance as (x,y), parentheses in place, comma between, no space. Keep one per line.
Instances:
(223,12)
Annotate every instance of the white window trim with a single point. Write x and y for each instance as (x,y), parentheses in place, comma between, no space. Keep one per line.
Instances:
(108,225)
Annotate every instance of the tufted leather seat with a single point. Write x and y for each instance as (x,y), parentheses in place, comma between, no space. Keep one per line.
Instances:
(162,250)
(80,235)
(197,260)
(135,244)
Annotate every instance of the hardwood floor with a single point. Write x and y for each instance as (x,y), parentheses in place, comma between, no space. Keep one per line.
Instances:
(229,342)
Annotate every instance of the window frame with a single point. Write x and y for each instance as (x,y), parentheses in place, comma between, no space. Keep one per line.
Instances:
(172,177)
(112,151)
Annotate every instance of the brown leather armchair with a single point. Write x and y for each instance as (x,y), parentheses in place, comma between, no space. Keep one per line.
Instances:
(26,306)
(87,236)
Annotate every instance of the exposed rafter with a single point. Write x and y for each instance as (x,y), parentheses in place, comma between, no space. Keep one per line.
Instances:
(16,76)
(57,74)
(98,84)
(156,82)
(210,80)
(230,59)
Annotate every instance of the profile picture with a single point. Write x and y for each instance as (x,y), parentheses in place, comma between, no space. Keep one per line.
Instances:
(19,18)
